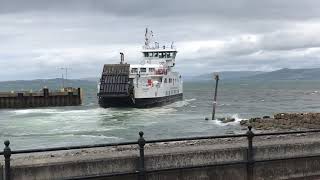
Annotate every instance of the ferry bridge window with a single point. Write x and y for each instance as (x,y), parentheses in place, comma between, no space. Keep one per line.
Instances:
(151,69)
(168,55)
(134,70)
(162,55)
(143,70)
(146,54)
(150,54)
(155,54)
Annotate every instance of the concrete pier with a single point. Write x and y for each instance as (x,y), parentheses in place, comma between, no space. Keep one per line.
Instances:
(45,98)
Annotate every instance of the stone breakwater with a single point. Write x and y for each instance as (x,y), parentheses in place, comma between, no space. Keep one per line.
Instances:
(285,121)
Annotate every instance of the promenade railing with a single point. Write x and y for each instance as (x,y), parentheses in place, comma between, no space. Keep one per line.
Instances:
(141,172)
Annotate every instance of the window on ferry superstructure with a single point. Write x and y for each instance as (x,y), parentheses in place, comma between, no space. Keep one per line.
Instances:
(165,80)
(146,54)
(170,80)
(155,54)
(143,70)
(134,70)
(168,55)
(150,54)
(152,70)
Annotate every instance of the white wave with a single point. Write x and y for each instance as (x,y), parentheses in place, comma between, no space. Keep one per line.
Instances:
(155,110)
(178,104)
(59,111)
(65,132)
(32,111)
(100,136)
(219,123)
(182,103)
(189,100)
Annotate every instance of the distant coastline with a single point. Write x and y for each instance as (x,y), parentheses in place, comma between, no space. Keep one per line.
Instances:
(282,74)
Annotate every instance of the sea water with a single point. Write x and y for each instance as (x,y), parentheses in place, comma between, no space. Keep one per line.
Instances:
(89,124)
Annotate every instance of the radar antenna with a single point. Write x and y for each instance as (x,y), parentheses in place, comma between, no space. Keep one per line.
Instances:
(148,35)
(146,43)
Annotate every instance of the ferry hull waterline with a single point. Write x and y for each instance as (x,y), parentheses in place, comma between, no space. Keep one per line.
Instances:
(107,102)
(152,82)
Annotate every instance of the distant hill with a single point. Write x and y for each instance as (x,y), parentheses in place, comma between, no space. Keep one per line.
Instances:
(225,75)
(91,82)
(38,84)
(282,74)
(95,79)
(289,74)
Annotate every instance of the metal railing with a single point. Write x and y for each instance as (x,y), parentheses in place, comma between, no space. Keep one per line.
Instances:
(141,142)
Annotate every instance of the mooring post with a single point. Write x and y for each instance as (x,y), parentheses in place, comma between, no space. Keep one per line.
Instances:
(216,77)
(7,155)
(250,160)
(141,142)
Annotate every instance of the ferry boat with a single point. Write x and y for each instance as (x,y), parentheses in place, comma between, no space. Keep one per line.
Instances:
(152,82)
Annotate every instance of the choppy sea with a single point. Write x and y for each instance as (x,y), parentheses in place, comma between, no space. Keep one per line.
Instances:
(87,124)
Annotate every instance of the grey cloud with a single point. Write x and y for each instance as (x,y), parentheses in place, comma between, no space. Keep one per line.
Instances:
(38,36)
(293,39)
(240,9)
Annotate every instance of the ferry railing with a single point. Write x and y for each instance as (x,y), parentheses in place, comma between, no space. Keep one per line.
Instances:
(141,172)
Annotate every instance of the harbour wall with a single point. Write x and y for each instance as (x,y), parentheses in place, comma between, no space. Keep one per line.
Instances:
(45,98)
(299,160)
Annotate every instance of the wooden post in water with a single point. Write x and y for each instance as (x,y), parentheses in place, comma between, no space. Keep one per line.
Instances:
(216,77)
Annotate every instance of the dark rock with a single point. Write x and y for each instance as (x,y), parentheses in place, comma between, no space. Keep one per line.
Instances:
(254,119)
(244,122)
(227,120)
(285,121)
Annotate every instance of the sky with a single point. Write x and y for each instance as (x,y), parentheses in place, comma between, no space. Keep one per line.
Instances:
(39,37)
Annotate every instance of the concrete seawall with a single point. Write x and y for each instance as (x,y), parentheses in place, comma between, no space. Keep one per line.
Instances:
(44,98)
(297,158)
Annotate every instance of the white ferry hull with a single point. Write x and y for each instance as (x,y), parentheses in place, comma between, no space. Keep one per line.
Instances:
(127,101)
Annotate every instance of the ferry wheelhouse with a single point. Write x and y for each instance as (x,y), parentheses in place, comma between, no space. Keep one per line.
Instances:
(152,82)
